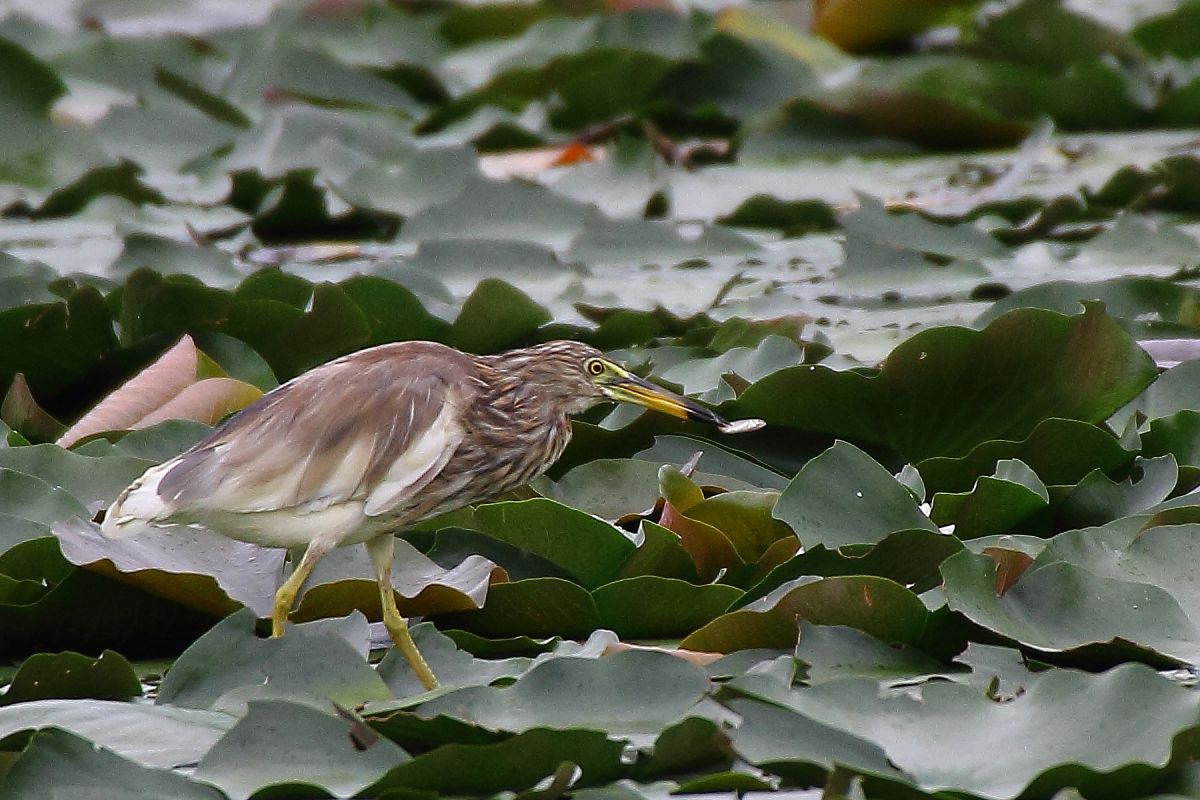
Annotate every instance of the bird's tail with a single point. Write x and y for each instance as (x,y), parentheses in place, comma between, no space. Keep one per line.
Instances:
(138,508)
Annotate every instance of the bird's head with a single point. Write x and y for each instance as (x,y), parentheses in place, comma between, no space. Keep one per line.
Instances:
(583,376)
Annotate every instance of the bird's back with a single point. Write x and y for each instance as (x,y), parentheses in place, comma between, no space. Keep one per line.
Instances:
(370,429)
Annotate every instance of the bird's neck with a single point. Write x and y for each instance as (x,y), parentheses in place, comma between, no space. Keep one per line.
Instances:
(522,430)
(526,404)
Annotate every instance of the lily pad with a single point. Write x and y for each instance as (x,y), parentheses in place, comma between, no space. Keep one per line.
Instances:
(998,504)
(151,736)
(1057,711)
(946,390)
(311,749)
(73,675)
(229,666)
(1064,606)
(58,762)
(590,549)
(632,695)
(844,496)
(516,763)
(653,607)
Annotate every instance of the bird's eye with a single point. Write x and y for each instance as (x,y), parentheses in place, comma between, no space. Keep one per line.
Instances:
(595,366)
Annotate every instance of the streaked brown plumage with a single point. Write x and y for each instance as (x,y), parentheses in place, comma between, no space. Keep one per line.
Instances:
(357,448)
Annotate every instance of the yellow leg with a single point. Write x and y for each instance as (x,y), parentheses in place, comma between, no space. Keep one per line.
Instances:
(286,596)
(381,550)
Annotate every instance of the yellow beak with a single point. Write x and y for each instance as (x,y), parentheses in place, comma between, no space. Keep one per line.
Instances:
(629,388)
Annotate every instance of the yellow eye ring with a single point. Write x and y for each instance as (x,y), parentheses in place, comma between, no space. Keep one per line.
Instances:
(595,366)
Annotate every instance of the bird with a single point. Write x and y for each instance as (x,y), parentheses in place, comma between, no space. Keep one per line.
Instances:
(354,450)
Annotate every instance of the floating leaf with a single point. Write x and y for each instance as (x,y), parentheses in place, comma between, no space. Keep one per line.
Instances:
(152,736)
(21,412)
(314,664)
(834,652)
(516,763)
(1066,713)
(1064,606)
(344,581)
(1098,499)
(194,568)
(632,694)
(311,749)
(57,762)
(653,607)
(910,557)
(170,388)
(533,607)
(590,549)
(998,504)
(844,496)
(453,667)
(1060,451)
(73,675)
(946,390)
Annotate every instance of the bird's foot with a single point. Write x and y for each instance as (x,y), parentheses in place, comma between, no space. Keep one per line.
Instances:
(397,628)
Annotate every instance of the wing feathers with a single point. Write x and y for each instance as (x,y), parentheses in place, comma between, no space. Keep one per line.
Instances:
(417,465)
(375,426)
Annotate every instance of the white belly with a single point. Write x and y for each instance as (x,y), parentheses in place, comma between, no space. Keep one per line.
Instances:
(338,525)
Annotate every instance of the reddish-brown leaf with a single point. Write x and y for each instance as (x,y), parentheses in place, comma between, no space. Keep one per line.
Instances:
(1010,565)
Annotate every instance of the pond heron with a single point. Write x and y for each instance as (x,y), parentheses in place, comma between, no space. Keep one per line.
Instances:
(354,450)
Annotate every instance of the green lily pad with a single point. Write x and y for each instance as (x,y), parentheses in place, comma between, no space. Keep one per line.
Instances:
(1060,451)
(833,652)
(453,546)
(30,498)
(746,519)
(843,497)
(195,568)
(632,694)
(589,549)
(57,762)
(454,667)
(800,747)
(1162,556)
(295,748)
(533,607)
(92,481)
(343,581)
(514,764)
(877,606)
(946,390)
(1123,298)
(496,317)
(691,745)
(73,675)
(916,233)
(312,663)
(29,89)
(1066,713)
(661,552)
(998,504)
(906,556)
(152,736)
(1099,499)
(715,461)
(1177,435)
(481,212)
(1064,606)
(654,607)
(743,630)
